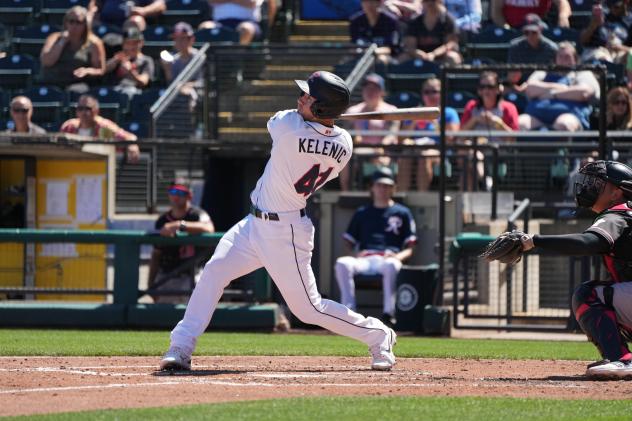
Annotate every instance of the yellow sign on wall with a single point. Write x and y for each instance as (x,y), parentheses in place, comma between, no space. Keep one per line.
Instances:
(71,194)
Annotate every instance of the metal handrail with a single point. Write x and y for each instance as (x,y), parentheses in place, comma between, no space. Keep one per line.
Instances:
(195,64)
(357,74)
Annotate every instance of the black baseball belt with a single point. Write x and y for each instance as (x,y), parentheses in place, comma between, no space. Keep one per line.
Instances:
(269,215)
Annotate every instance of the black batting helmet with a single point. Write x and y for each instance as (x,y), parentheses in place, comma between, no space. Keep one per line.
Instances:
(595,176)
(331,93)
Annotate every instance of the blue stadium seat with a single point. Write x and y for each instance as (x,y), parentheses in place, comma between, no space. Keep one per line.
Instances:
(518,99)
(140,104)
(220,34)
(53,11)
(112,104)
(49,103)
(191,11)
(404,99)
(458,99)
(30,39)
(17,71)
(140,129)
(112,37)
(562,34)
(409,75)
(491,42)
(17,12)
(157,38)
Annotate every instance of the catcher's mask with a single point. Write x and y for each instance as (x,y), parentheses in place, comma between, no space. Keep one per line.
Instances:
(593,179)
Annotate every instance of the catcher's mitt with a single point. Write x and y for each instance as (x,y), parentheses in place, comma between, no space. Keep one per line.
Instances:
(507,248)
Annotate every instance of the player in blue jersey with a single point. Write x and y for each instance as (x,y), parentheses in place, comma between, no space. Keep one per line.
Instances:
(381,236)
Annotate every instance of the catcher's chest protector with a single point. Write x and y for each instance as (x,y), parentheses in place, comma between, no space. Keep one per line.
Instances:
(619,261)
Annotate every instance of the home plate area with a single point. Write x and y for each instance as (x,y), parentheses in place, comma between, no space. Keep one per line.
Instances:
(31,385)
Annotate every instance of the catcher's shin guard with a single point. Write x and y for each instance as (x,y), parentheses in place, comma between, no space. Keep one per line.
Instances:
(599,322)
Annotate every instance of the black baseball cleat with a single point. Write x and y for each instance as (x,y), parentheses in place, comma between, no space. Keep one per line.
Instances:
(388,320)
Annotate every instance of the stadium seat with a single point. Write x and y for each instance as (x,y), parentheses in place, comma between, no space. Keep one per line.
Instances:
(140,129)
(562,34)
(191,11)
(52,127)
(492,42)
(458,99)
(53,11)
(404,99)
(112,37)
(616,74)
(112,104)
(30,39)
(140,104)
(17,71)
(518,99)
(157,38)
(221,34)
(49,103)
(17,12)
(581,13)
(409,75)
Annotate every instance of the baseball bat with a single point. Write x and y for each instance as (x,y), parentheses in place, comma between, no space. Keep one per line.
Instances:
(419,113)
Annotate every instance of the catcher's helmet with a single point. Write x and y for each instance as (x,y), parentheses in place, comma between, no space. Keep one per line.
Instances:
(595,176)
(331,93)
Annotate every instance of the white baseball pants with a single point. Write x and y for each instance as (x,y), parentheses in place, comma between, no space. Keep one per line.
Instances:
(348,266)
(284,248)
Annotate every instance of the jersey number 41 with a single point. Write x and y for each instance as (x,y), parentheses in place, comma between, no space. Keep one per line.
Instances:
(312,180)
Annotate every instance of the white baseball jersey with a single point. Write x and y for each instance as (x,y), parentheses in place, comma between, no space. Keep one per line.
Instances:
(305,155)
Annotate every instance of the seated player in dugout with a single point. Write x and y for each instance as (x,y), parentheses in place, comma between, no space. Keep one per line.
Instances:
(380,237)
(603,308)
(178,267)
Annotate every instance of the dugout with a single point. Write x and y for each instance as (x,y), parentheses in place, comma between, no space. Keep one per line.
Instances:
(54,185)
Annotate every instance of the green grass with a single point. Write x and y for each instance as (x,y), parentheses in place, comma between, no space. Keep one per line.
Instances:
(129,343)
(373,408)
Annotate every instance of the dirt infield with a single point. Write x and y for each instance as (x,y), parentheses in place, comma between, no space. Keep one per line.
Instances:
(30,385)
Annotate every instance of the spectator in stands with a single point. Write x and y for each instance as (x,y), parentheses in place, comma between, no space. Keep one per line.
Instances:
(505,13)
(89,123)
(374,24)
(560,100)
(178,267)
(74,57)
(172,65)
(619,111)
(405,10)
(380,237)
(467,13)
(608,36)
(430,97)
(21,110)
(373,90)
(130,69)
(432,36)
(530,48)
(115,12)
(244,16)
(489,111)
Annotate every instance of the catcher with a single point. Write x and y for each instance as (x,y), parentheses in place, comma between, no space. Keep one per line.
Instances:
(602,308)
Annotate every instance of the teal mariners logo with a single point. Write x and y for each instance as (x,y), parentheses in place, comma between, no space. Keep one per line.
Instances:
(407,297)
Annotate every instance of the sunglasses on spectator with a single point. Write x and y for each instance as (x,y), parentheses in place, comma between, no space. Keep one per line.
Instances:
(620,102)
(180,193)
(76,21)
(529,32)
(84,108)
(431,92)
(487,86)
(20,110)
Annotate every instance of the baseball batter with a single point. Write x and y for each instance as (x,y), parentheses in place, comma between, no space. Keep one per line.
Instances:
(603,309)
(307,151)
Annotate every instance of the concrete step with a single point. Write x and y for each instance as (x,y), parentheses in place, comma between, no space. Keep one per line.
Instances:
(249,103)
(314,39)
(244,134)
(291,72)
(321,27)
(256,119)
